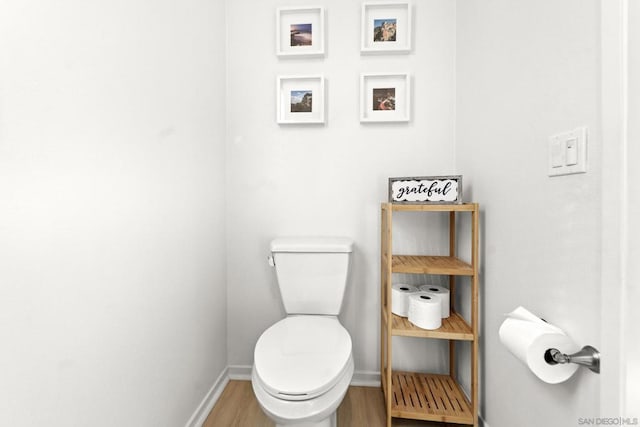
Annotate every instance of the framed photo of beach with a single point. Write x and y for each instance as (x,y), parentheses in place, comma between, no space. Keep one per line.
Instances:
(300,32)
(385,98)
(386,28)
(300,99)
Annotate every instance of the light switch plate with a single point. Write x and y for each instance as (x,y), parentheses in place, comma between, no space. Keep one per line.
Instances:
(568,153)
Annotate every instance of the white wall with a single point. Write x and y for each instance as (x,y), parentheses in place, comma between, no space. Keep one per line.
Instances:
(301,180)
(112,271)
(525,71)
(113,298)
(632,297)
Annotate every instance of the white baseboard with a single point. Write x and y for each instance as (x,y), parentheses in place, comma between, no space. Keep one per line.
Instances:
(202,412)
(366,379)
(239,372)
(360,378)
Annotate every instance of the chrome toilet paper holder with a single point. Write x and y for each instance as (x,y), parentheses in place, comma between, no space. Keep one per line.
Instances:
(588,356)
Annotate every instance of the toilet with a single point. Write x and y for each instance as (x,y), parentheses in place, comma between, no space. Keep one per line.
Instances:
(303,364)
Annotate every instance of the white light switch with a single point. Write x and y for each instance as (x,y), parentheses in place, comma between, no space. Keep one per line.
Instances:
(572,151)
(568,153)
(558,153)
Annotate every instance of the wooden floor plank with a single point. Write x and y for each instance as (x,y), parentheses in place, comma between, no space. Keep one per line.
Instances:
(237,407)
(361,407)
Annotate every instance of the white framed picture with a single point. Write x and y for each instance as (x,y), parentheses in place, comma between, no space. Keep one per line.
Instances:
(385,97)
(300,99)
(300,31)
(386,28)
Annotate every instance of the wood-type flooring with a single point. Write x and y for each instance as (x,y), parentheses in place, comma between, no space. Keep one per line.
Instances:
(361,407)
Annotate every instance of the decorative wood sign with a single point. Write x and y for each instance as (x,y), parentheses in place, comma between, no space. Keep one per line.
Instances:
(426,190)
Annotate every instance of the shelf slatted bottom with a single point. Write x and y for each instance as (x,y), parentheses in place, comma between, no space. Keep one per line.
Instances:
(429,397)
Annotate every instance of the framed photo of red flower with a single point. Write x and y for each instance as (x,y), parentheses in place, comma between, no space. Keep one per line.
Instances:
(385,97)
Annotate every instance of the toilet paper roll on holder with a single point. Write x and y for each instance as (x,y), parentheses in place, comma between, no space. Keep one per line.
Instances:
(588,356)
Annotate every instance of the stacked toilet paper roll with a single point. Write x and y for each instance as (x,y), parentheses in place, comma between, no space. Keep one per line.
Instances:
(425,310)
(444,295)
(528,338)
(400,298)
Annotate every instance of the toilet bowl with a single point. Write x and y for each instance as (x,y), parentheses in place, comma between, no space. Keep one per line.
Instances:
(303,364)
(302,370)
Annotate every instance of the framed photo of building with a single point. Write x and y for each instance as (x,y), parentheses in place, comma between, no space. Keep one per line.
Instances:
(385,97)
(300,99)
(386,28)
(300,32)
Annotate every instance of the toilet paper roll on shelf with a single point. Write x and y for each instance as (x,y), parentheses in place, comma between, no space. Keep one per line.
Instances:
(528,338)
(425,310)
(400,298)
(444,295)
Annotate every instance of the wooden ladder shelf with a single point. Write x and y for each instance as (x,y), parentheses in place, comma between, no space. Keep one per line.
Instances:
(419,396)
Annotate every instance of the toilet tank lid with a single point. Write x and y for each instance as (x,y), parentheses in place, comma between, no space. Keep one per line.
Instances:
(312,244)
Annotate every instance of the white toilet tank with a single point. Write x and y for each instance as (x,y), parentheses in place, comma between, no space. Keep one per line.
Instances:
(312,273)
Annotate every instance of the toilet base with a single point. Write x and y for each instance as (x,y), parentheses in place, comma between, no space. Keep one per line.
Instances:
(321,411)
(331,421)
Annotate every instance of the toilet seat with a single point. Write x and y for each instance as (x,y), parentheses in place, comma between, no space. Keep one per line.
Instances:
(302,357)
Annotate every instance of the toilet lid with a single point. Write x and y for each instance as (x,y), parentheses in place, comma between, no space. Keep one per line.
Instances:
(301,357)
